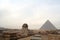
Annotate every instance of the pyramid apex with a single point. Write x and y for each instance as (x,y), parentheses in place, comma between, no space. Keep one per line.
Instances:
(48,20)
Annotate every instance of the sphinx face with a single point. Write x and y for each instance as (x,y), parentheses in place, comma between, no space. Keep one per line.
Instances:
(25,25)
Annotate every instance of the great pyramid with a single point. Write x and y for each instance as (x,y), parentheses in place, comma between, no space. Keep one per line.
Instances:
(48,26)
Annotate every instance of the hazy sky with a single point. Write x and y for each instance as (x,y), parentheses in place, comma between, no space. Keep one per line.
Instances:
(13,13)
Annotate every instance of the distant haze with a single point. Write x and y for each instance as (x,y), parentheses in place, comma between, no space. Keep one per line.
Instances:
(14,13)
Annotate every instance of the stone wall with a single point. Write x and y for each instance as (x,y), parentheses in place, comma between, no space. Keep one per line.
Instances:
(53,37)
(27,38)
